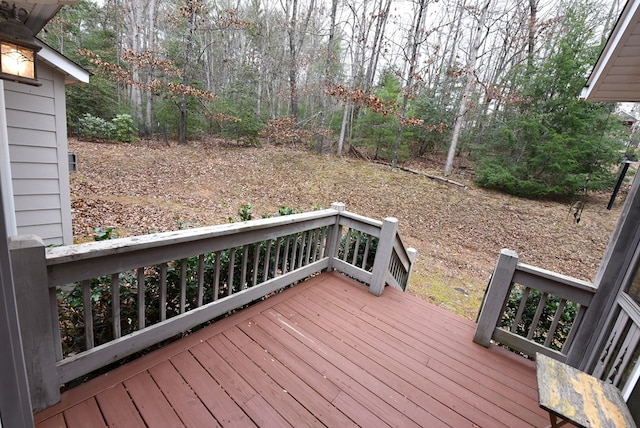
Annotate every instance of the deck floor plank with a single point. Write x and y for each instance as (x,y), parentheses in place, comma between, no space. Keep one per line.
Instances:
(324,353)
(184,401)
(369,373)
(117,408)
(85,414)
(424,391)
(460,374)
(304,394)
(274,394)
(151,403)
(420,333)
(255,406)
(212,395)
(281,347)
(339,375)
(56,421)
(374,343)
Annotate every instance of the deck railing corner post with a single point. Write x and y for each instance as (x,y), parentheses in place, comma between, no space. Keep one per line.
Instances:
(338,206)
(383,255)
(29,267)
(495,297)
(412,253)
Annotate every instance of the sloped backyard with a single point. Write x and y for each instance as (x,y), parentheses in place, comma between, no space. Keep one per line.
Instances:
(458,231)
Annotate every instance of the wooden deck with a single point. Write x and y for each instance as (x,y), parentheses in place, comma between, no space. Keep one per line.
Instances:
(324,353)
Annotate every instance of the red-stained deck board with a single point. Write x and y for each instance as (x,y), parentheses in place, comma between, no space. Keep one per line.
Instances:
(86,414)
(411,377)
(212,395)
(255,407)
(117,408)
(306,395)
(308,368)
(337,375)
(184,401)
(418,405)
(324,353)
(436,362)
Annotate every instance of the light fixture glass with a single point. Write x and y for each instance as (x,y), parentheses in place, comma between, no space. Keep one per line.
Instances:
(17,46)
(17,60)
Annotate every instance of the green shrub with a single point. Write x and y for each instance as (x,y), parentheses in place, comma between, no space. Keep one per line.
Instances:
(121,128)
(124,129)
(94,128)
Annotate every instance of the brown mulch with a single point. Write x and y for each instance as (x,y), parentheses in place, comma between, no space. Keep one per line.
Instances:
(458,232)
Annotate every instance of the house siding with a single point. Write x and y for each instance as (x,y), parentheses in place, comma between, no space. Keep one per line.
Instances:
(36,126)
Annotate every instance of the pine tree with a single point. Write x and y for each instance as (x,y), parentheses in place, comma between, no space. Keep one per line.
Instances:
(550,143)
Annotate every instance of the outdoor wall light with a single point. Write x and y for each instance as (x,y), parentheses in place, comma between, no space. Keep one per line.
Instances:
(17,46)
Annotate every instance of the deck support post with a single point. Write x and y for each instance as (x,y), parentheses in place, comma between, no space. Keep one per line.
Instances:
(383,255)
(33,300)
(495,297)
(335,234)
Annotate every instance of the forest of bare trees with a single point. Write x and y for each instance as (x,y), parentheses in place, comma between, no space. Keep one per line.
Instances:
(494,81)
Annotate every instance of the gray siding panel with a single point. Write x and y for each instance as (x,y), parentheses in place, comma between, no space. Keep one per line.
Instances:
(50,233)
(22,170)
(20,102)
(28,120)
(31,137)
(34,218)
(36,120)
(39,155)
(36,187)
(37,202)
(45,90)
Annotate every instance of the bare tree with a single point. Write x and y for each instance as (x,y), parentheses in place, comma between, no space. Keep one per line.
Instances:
(476,42)
(416,38)
(327,78)
(296,33)
(368,24)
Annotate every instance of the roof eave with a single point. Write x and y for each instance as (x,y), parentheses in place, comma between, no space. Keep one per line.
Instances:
(621,32)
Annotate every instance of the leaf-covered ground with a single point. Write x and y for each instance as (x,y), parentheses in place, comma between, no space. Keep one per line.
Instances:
(458,232)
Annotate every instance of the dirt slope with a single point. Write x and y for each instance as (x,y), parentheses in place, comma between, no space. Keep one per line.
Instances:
(147,186)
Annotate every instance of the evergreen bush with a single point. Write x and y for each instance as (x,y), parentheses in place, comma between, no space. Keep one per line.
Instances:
(124,129)
(94,128)
(549,143)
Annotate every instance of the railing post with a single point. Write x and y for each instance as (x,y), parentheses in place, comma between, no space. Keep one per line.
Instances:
(335,233)
(412,253)
(29,267)
(383,255)
(496,296)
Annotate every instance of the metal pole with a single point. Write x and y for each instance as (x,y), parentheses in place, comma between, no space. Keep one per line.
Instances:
(625,167)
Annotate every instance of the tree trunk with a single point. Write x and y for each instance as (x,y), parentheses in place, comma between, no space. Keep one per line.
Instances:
(376,47)
(471,66)
(151,47)
(188,48)
(134,16)
(293,61)
(327,75)
(415,40)
(531,37)
(343,128)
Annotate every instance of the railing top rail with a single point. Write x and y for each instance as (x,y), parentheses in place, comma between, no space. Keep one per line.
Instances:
(556,277)
(399,245)
(59,255)
(361,219)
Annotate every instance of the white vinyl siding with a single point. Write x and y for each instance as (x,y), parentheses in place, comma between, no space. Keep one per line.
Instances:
(38,153)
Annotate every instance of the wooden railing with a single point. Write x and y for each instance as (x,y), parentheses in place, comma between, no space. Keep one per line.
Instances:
(619,352)
(89,305)
(529,309)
